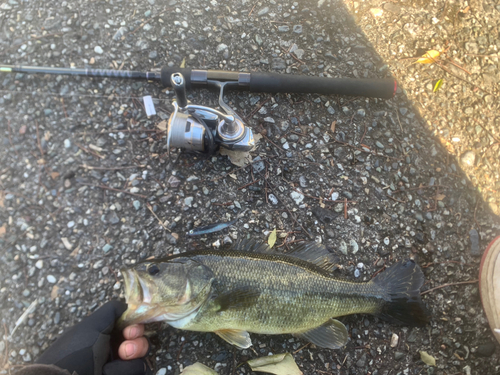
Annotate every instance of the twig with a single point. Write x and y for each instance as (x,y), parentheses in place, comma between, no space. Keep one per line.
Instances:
(252,9)
(394,199)
(89,151)
(259,106)
(397,114)
(450,284)
(149,19)
(157,218)
(380,270)
(363,137)
(250,183)
(6,355)
(113,189)
(38,139)
(278,147)
(293,56)
(64,108)
(299,349)
(458,66)
(345,208)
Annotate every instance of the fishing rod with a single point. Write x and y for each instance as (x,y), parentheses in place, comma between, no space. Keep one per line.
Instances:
(201,128)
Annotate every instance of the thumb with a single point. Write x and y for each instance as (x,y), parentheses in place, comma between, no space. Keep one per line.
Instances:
(134,367)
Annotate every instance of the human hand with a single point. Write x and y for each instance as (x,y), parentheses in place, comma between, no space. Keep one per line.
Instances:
(86,347)
(135,344)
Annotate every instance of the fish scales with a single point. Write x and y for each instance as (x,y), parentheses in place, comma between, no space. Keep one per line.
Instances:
(294,295)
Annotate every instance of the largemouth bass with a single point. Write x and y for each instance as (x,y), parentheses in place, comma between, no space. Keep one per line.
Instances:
(251,288)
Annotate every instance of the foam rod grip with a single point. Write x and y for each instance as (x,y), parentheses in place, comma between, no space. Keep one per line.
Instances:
(273,82)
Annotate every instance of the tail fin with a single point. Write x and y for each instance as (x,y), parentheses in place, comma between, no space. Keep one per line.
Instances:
(401,284)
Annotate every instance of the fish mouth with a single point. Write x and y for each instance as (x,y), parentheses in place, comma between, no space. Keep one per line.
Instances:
(138,298)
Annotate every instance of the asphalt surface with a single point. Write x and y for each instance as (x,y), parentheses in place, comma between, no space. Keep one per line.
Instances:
(82,168)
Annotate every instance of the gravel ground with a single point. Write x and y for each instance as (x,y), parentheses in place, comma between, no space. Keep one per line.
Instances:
(420,171)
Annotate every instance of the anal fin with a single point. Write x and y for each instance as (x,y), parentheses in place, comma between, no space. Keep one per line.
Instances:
(332,335)
(238,338)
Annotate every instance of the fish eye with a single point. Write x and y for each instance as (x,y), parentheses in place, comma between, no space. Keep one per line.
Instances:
(153,269)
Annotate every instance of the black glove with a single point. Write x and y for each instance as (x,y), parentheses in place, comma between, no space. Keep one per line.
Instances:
(85,347)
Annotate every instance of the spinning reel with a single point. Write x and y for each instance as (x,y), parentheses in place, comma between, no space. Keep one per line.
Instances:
(199,128)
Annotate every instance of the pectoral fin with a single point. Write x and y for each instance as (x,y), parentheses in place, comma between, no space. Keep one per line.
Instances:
(236,299)
(332,335)
(241,339)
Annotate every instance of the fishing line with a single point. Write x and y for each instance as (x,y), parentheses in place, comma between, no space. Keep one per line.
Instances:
(48,93)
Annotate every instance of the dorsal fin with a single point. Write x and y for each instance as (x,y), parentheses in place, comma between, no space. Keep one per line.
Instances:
(311,252)
(317,254)
(252,246)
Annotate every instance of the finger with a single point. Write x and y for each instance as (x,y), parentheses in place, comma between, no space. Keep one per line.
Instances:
(134,331)
(131,349)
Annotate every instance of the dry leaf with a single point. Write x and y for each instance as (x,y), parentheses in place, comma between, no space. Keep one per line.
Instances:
(233,176)
(272,238)
(332,126)
(162,125)
(440,197)
(437,85)
(427,358)
(278,364)
(3,230)
(198,369)
(66,243)
(47,136)
(429,57)
(183,63)
(239,158)
(54,175)
(376,12)
(321,204)
(74,253)
(53,293)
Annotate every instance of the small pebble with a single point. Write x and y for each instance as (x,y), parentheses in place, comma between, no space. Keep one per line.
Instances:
(394,340)
(98,50)
(273,199)
(354,246)
(107,247)
(51,279)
